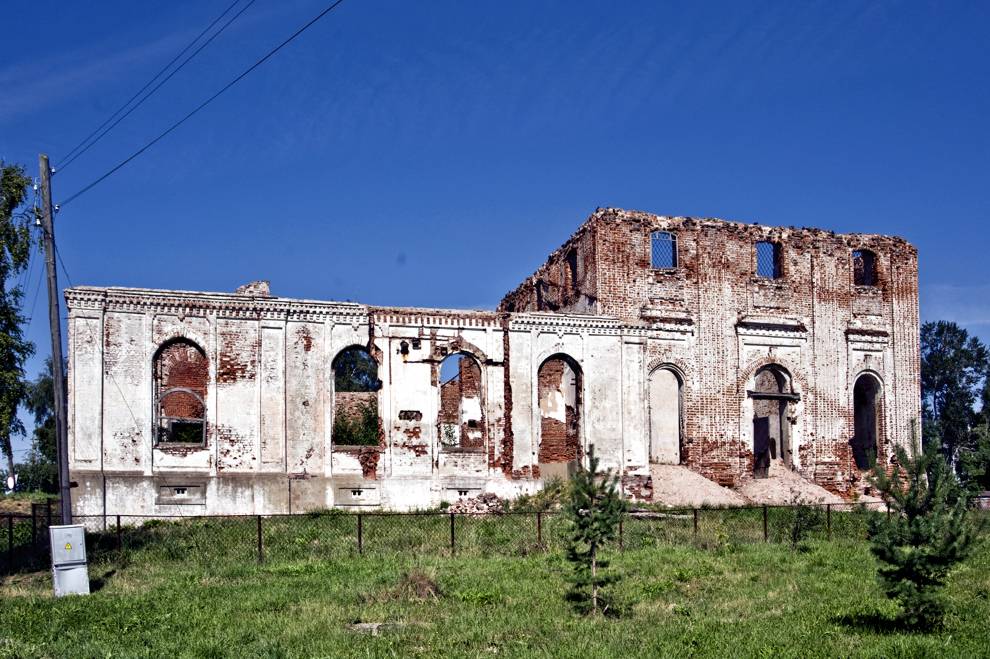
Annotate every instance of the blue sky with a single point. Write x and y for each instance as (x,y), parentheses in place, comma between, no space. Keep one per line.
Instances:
(432,153)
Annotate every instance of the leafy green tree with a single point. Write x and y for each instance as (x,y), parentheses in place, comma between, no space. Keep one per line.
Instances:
(954,366)
(355,370)
(594,510)
(15,251)
(975,462)
(40,471)
(359,429)
(925,535)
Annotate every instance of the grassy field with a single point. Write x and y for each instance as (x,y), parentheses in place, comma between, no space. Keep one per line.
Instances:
(173,596)
(20,502)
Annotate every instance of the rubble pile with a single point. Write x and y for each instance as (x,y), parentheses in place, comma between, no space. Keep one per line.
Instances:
(483,504)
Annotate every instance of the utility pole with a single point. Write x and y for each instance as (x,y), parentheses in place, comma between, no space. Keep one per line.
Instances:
(58,376)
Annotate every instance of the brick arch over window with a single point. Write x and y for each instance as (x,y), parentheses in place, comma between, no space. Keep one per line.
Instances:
(676,365)
(466,347)
(747,375)
(181,375)
(559,391)
(462,403)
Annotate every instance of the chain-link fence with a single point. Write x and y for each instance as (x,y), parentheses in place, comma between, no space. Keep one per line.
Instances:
(325,535)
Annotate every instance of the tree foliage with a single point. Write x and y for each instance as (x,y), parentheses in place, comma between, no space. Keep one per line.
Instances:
(360,429)
(355,369)
(954,367)
(40,471)
(15,250)
(975,461)
(594,511)
(926,533)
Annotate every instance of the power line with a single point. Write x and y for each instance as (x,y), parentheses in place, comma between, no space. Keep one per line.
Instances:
(199,36)
(37,289)
(58,255)
(33,253)
(160,84)
(202,105)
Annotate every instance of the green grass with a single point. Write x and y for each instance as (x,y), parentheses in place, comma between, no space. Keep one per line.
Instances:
(194,589)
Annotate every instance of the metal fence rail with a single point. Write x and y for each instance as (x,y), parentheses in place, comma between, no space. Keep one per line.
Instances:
(226,539)
(25,537)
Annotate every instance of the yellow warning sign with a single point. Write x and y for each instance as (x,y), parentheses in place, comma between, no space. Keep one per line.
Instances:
(68,546)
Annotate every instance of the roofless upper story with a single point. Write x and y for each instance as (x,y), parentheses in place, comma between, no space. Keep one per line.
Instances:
(639,266)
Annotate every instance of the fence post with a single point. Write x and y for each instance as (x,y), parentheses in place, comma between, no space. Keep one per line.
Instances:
(120,536)
(261,547)
(828,520)
(695,523)
(48,512)
(452,545)
(888,510)
(10,540)
(539,528)
(622,545)
(766,532)
(34,526)
(360,521)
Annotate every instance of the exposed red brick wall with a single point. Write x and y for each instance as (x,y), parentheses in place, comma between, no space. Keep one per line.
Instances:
(350,404)
(508,439)
(559,440)
(566,282)
(181,364)
(467,384)
(238,359)
(714,287)
(450,401)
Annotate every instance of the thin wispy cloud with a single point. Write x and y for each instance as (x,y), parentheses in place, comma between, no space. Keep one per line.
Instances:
(41,84)
(963,304)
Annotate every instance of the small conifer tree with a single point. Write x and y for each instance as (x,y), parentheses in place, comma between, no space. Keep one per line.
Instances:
(926,533)
(594,510)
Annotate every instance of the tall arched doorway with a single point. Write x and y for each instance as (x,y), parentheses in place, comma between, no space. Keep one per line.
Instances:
(867,398)
(665,416)
(772,393)
(559,399)
(461,416)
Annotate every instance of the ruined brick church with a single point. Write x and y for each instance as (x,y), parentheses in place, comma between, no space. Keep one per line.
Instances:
(727,348)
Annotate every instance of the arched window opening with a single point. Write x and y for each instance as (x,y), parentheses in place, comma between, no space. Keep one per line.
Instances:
(665,417)
(355,398)
(462,420)
(559,397)
(772,396)
(864,267)
(866,421)
(663,249)
(181,373)
(768,260)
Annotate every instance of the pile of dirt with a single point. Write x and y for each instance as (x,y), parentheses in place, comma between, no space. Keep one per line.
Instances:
(483,504)
(677,486)
(784,487)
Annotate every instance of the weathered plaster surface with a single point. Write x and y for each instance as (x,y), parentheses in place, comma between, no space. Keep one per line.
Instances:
(627,334)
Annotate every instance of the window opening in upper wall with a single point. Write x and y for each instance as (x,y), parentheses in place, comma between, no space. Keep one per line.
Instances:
(864,267)
(663,245)
(767,260)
